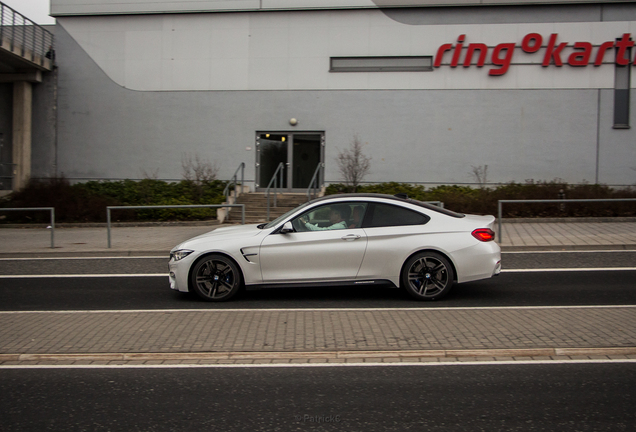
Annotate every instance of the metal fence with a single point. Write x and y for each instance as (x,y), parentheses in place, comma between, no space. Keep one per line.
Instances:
(500,204)
(108,209)
(49,209)
(25,37)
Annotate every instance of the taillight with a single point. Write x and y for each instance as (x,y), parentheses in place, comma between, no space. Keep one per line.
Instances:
(484,234)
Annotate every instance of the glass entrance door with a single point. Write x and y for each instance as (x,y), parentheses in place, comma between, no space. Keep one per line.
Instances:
(271,151)
(300,152)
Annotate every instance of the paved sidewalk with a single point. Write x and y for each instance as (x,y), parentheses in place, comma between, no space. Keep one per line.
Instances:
(340,335)
(158,240)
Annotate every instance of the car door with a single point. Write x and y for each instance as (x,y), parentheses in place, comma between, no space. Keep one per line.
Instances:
(323,253)
(392,232)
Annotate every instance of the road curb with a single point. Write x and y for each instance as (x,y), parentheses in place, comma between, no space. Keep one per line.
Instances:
(89,254)
(322,355)
(621,247)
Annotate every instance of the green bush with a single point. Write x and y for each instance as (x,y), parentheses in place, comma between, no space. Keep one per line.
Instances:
(87,202)
(466,199)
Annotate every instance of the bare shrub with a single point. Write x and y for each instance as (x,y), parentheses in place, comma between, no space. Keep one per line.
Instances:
(480,174)
(199,171)
(353,164)
(151,174)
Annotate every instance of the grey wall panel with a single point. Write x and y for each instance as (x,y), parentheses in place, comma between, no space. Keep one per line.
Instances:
(106,131)
(617,147)
(6,122)
(43,127)
(501,14)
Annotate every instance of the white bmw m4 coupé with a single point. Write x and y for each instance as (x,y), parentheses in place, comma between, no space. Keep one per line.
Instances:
(341,240)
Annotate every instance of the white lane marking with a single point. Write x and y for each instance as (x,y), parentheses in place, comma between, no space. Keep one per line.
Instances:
(569,251)
(167,257)
(430,309)
(105,275)
(568,269)
(322,365)
(83,275)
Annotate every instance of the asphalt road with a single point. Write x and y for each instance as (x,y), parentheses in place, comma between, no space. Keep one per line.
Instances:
(569,287)
(520,397)
(537,396)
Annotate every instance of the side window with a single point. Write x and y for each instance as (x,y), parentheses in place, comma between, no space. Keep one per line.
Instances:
(385,215)
(331,216)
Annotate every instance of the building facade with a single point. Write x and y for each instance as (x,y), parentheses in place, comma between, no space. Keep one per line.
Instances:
(433,90)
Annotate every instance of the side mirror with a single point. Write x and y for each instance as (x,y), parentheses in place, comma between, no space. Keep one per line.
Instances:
(287,228)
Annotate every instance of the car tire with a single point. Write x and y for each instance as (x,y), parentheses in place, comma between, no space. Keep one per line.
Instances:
(427,276)
(215,278)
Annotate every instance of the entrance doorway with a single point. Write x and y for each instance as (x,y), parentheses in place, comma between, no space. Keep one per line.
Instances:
(299,152)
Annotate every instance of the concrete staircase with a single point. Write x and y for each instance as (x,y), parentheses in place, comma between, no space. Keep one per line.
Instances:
(256,206)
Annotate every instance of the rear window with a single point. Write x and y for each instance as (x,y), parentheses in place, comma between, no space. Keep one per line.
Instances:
(436,208)
(386,215)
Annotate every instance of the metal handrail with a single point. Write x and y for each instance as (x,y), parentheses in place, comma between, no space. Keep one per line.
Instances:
(109,208)
(313,184)
(552,201)
(281,167)
(234,180)
(49,209)
(37,41)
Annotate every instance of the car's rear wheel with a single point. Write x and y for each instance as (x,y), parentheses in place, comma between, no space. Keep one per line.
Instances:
(215,278)
(427,276)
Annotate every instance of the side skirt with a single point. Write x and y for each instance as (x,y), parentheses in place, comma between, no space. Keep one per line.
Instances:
(375,282)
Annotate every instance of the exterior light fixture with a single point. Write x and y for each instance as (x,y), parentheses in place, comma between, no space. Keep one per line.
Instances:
(293,122)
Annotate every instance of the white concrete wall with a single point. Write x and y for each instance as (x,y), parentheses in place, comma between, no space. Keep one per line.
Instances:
(291,51)
(98,7)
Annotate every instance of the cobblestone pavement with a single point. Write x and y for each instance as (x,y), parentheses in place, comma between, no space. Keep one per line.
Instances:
(334,335)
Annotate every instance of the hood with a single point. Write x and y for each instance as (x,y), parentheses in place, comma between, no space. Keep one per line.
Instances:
(223,233)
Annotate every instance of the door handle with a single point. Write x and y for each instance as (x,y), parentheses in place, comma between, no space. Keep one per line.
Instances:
(351,237)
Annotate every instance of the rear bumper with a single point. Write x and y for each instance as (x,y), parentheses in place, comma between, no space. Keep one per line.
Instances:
(480,261)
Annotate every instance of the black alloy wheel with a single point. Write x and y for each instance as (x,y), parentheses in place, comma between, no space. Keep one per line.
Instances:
(427,276)
(215,278)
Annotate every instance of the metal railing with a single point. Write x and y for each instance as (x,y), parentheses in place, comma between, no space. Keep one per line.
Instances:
(233,181)
(6,176)
(314,183)
(25,38)
(280,169)
(500,204)
(52,220)
(109,208)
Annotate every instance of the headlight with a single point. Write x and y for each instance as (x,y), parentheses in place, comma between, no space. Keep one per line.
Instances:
(180,254)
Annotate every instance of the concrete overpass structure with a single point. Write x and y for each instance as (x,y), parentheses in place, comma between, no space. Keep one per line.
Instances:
(26,53)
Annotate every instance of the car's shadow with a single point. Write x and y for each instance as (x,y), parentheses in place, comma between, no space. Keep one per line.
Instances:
(506,290)
(340,297)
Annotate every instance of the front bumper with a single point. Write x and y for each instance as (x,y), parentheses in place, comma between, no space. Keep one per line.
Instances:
(178,273)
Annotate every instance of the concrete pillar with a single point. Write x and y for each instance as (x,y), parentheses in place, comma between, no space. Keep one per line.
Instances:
(22,115)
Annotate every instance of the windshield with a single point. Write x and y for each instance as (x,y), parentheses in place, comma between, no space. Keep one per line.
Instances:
(283,217)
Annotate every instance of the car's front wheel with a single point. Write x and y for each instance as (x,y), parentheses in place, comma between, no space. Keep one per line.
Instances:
(215,278)
(427,276)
